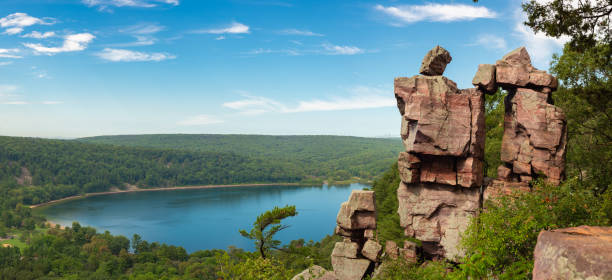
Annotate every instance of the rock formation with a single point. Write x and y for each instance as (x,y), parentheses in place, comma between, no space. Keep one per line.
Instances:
(356,254)
(574,253)
(443,131)
(535,132)
(442,168)
(315,272)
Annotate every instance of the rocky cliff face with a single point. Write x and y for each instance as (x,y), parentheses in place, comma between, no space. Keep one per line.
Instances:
(441,169)
(443,130)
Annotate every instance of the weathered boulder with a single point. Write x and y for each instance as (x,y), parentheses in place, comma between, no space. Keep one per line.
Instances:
(315,272)
(513,69)
(435,62)
(346,249)
(437,214)
(346,264)
(358,213)
(485,78)
(409,252)
(582,252)
(391,249)
(371,250)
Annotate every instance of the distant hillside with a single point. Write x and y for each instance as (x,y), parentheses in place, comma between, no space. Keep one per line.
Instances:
(317,155)
(36,170)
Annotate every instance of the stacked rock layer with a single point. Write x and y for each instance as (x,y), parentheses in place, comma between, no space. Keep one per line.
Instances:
(441,171)
(356,222)
(535,133)
(443,131)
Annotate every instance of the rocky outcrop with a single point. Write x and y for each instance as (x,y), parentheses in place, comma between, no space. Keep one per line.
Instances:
(356,222)
(315,272)
(574,253)
(534,129)
(441,170)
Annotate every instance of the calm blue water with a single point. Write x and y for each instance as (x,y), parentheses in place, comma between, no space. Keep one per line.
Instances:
(206,218)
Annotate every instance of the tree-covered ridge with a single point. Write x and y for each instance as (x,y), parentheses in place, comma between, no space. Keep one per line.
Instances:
(318,155)
(39,170)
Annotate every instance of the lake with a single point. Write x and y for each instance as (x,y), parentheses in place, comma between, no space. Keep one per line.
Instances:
(206,218)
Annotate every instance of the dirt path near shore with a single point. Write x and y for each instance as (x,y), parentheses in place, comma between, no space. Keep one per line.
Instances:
(134,189)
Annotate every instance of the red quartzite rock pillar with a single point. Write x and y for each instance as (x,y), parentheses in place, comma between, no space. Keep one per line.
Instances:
(359,251)
(441,171)
(535,133)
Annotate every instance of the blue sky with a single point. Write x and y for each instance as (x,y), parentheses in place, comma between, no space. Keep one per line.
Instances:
(101,67)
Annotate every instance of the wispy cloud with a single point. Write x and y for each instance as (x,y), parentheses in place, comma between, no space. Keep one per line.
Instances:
(143,33)
(358,98)
(324,49)
(233,28)
(72,43)
(342,50)
(121,55)
(435,12)
(16,22)
(540,46)
(9,53)
(5,63)
(200,120)
(39,35)
(490,41)
(106,4)
(14,103)
(298,32)
(51,102)
(8,96)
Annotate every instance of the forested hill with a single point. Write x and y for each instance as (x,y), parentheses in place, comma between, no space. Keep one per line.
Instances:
(34,170)
(317,155)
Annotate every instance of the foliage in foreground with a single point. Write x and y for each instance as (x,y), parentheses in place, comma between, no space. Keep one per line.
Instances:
(264,239)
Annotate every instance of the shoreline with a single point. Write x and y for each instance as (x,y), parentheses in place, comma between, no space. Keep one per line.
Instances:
(80,196)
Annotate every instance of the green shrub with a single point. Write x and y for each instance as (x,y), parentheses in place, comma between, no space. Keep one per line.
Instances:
(500,242)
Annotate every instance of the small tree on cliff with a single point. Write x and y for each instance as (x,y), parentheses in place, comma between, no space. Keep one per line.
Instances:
(264,238)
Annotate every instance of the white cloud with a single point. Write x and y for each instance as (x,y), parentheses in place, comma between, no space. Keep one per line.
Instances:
(220,38)
(15,103)
(8,96)
(117,55)
(5,63)
(52,102)
(143,33)
(105,4)
(342,50)
(359,98)
(9,53)
(490,41)
(143,28)
(72,43)
(38,35)
(200,120)
(436,12)
(539,46)
(234,28)
(298,32)
(16,22)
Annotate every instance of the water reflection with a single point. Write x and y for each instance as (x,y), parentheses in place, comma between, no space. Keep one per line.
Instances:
(206,218)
